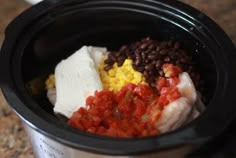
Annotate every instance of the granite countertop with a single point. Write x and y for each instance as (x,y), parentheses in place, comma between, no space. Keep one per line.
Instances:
(13,140)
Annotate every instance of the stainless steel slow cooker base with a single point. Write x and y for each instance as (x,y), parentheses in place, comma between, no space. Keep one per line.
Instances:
(51,30)
(44,147)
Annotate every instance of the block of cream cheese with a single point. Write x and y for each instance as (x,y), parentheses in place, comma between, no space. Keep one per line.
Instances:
(76,78)
(186,87)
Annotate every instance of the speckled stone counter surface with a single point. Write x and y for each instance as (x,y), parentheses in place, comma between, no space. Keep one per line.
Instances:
(13,140)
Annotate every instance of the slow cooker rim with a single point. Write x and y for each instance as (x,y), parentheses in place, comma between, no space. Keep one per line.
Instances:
(8,96)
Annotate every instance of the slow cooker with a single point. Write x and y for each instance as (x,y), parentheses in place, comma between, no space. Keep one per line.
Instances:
(53,29)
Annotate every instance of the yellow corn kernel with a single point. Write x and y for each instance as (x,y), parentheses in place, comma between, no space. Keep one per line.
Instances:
(50,82)
(112,73)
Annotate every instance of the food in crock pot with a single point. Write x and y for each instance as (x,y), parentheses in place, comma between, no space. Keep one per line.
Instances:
(141,90)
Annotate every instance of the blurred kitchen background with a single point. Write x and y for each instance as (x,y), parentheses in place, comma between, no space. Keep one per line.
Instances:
(13,140)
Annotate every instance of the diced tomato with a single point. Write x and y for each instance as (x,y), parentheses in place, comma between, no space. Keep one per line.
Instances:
(92,129)
(174,94)
(140,108)
(171,70)
(125,106)
(145,132)
(101,130)
(144,91)
(89,100)
(164,91)
(154,132)
(152,104)
(161,82)
(107,113)
(155,115)
(121,94)
(163,101)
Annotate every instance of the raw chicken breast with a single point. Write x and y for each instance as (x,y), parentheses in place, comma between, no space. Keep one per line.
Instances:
(174,115)
(197,109)
(180,111)
(199,104)
(51,94)
(186,87)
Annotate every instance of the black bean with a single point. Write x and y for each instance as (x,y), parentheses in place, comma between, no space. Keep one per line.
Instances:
(137,52)
(143,55)
(161,73)
(137,62)
(148,67)
(147,39)
(158,48)
(144,39)
(140,68)
(109,61)
(147,61)
(152,56)
(120,60)
(146,73)
(158,64)
(136,67)
(149,42)
(138,56)
(120,63)
(123,48)
(177,45)
(167,59)
(111,56)
(152,74)
(153,63)
(117,54)
(107,67)
(163,51)
(147,51)
(144,45)
(151,46)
